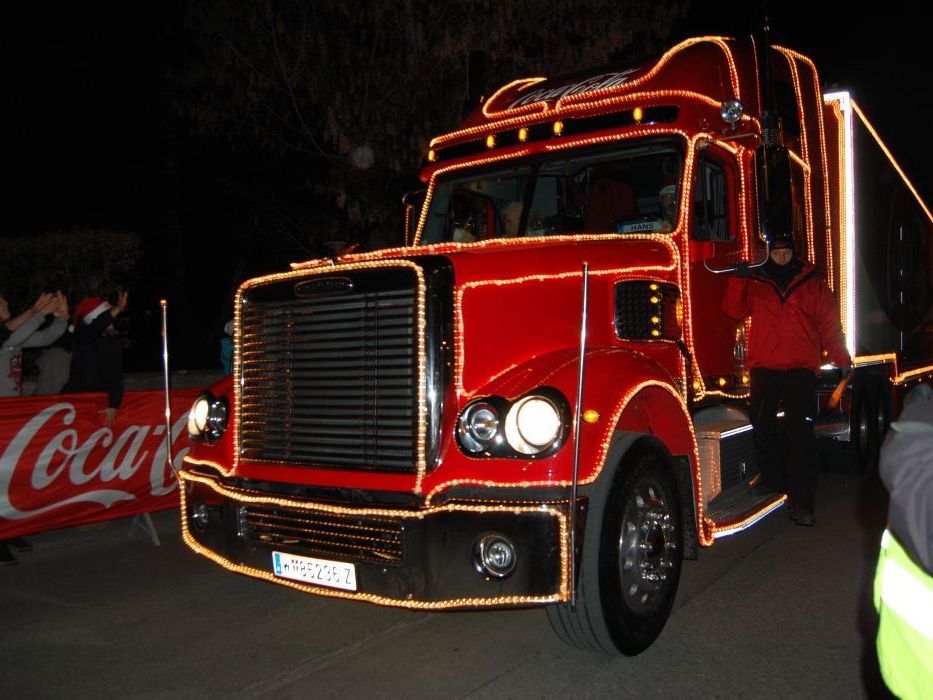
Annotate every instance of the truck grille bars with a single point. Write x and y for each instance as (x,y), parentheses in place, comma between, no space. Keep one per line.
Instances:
(330,373)
(376,540)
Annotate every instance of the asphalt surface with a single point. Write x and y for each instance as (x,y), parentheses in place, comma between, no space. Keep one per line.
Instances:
(778,611)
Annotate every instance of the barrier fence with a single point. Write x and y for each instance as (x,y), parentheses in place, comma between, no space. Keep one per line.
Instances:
(60,467)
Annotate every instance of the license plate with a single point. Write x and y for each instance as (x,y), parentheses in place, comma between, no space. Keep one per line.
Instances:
(319,572)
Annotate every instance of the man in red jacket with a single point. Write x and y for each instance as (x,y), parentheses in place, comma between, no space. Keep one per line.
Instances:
(794,319)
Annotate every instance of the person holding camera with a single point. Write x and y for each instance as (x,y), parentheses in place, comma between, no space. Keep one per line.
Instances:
(28,330)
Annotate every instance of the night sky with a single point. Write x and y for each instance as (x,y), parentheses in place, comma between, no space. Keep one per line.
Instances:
(86,113)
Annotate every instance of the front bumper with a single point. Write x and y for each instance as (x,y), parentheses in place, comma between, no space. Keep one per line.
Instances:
(419,558)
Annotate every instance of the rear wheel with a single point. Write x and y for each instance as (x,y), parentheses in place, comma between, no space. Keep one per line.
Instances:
(631,567)
(862,428)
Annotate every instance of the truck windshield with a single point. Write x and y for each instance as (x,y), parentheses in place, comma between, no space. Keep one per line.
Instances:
(626,190)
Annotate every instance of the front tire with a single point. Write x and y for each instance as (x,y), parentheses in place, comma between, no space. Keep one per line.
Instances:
(631,567)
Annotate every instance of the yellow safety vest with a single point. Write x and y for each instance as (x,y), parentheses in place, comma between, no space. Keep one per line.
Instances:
(904,600)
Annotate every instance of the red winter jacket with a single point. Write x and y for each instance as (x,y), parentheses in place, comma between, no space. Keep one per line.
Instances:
(790,329)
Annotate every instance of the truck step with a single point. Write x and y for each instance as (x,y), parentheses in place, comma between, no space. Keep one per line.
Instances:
(736,503)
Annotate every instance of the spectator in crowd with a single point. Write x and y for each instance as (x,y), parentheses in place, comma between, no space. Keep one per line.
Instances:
(97,359)
(27,330)
(24,331)
(226,348)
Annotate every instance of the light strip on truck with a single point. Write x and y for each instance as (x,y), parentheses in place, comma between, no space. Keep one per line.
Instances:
(848,252)
(874,134)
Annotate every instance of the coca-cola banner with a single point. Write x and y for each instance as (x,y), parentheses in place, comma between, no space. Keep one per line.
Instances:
(60,466)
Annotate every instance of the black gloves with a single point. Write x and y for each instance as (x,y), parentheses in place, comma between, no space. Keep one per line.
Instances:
(742,270)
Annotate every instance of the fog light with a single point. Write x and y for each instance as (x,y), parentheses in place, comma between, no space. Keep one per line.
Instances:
(495,555)
(201,516)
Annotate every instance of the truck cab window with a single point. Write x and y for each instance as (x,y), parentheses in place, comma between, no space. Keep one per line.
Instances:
(711,204)
(630,190)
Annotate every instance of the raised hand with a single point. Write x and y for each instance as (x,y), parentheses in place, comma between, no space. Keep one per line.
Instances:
(45,304)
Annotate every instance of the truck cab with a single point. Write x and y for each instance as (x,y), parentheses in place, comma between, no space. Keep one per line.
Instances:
(538,401)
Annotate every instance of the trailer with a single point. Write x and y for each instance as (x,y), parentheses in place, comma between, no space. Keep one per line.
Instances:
(538,400)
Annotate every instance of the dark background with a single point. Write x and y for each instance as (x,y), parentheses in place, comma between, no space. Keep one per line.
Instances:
(161,119)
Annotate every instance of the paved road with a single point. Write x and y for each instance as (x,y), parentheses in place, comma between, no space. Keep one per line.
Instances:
(781,611)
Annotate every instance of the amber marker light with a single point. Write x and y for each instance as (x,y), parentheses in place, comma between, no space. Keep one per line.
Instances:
(523,134)
(745,379)
(558,127)
(638,114)
(722,381)
(432,156)
(655,300)
(591,416)
(491,141)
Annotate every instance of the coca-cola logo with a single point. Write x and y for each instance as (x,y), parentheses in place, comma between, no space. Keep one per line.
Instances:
(603,81)
(49,455)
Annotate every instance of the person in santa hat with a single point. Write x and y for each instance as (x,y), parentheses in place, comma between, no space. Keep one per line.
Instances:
(97,359)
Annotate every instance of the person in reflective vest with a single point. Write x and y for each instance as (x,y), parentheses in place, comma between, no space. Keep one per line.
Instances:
(904,577)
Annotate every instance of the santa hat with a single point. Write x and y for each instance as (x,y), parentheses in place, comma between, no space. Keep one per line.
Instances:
(90,308)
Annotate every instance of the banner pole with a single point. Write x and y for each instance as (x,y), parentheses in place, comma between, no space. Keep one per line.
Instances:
(168,403)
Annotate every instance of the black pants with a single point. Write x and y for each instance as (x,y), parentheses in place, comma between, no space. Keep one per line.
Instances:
(795,391)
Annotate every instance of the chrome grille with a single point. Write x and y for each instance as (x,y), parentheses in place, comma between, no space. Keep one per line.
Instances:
(366,538)
(330,372)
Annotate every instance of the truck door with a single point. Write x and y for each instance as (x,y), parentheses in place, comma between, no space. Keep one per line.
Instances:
(714,231)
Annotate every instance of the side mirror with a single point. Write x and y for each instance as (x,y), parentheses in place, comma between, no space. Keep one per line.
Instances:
(775,196)
(413,202)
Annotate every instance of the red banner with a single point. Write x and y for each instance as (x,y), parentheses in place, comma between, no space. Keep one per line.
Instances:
(59,465)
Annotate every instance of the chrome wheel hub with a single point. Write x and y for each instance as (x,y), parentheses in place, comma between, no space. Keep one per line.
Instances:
(647,543)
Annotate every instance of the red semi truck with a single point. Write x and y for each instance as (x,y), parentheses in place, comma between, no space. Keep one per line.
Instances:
(538,401)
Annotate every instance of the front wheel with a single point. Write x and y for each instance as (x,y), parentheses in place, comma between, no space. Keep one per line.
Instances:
(630,571)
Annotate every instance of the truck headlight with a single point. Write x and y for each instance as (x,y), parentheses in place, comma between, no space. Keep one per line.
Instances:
(533,425)
(479,427)
(207,419)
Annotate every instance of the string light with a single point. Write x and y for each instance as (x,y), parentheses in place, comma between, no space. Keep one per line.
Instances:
(665,58)
(536,109)
(726,529)
(842,109)
(823,157)
(890,157)
(302,272)
(561,595)
(619,274)
(521,84)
